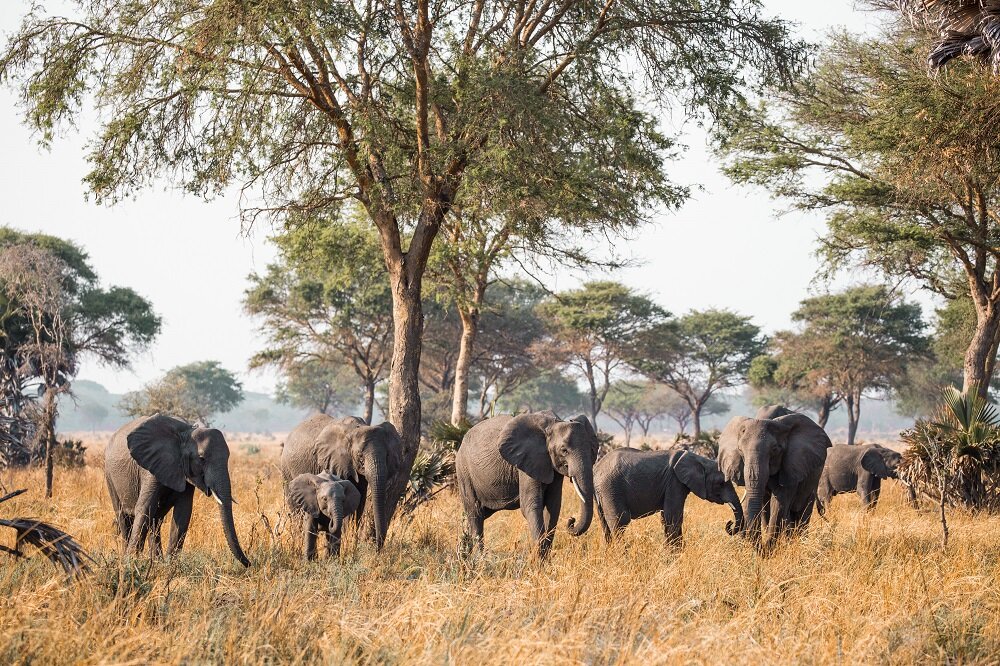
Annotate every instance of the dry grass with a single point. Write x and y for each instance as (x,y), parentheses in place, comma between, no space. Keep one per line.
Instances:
(856,589)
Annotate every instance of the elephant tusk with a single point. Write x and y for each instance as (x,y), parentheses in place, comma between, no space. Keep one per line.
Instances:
(577,489)
(216,498)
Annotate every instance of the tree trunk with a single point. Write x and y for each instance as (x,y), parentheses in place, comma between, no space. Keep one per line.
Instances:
(369,400)
(404,387)
(980,356)
(853,416)
(696,421)
(48,434)
(460,394)
(824,412)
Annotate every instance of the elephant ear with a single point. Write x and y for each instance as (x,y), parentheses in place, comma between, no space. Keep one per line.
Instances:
(691,473)
(302,494)
(805,448)
(333,451)
(591,433)
(352,498)
(730,457)
(874,462)
(524,445)
(162,446)
(769,412)
(393,448)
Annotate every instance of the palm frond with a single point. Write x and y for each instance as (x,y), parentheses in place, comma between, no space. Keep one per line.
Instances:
(59,547)
(968,28)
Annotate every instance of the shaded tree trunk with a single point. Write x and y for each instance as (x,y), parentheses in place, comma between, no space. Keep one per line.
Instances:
(853,401)
(369,400)
(696,421)
(460,393)
(48,435)
(823,415)
(980,356)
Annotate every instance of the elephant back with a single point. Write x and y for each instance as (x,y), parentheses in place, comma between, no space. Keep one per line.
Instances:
(841,465)
(298,455)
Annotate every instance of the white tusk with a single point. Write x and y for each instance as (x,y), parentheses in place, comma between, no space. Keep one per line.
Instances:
(577,489)
(216,498)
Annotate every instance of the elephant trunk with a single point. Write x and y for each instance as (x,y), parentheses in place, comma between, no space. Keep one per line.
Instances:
(730,497)
(756,475)
(375,471)
(582,478)
(222,491)
(337,519)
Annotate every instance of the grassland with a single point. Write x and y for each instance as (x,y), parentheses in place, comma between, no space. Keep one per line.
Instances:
(855,589)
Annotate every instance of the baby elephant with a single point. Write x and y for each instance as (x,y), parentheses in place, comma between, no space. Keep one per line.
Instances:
(326,500)
(635,484)
(858,468)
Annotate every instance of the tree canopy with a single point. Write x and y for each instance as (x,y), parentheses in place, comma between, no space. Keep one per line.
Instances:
(905,166)
(194,392)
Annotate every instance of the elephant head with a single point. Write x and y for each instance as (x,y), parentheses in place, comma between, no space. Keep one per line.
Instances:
(177,453)
(782,451)
(541,445)
(702,477)
(375,452)
(881,462)
(324,495)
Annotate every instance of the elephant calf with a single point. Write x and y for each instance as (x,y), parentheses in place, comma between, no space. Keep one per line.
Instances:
(634,484)
(325,500)
(856,468)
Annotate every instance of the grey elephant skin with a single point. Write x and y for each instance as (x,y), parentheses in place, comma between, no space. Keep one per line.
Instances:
(368,456)
(324,500)
(633,484)
(152,466)
(511,462)
(858,469)
(779,457)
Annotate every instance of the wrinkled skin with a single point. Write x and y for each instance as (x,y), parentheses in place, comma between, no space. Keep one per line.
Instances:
(857,468)
(324,500)
(779,457)
(511,462)
(634,484)
(370,457)
(152,466)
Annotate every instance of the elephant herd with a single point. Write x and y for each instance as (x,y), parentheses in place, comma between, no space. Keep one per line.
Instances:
(332,467)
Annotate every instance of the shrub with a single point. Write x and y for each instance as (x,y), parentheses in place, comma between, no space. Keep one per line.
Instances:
(705,444)
(69,453)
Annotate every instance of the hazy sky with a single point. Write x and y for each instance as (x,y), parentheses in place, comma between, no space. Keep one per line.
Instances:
(725,248)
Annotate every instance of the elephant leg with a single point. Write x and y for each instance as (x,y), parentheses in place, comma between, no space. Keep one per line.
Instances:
(359,514)
(874,492)
(332,543)
(145,510)
(124,521)
(532,500)
(604,522)
(616,517)
(472,536)
(179,521)
(800,517)
(553,504)
(309,531)
(156,538)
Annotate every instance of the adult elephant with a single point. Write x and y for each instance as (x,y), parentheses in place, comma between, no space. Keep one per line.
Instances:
(368,456)
(510,462)
(779,457)
(858,468)
(152,466)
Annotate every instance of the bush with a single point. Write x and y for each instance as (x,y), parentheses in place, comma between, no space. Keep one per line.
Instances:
(956,453)
(69,453)
(705,444)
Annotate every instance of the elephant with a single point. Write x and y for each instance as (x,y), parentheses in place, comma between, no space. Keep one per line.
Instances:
(369,456)
(779,457)
(634,484)
(324,500)
(509,462)
(152,466)
(858,468)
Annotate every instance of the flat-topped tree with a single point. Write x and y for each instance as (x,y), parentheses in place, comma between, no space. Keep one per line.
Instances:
(310,103)
(905,167)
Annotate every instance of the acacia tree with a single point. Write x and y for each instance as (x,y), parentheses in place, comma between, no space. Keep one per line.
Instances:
(792,375)
(325,302)
(194,392)
(906,167)
(860,340)
(391,105)
(700,354)
(323,388)
(590,330)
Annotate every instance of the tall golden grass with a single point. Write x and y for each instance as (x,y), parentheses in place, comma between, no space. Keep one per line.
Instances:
(855,589)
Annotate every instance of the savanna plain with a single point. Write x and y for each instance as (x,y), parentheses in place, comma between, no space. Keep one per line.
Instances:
(854,589)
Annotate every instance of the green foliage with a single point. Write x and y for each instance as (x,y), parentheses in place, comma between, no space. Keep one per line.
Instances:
(549,390)
(447,434)
(69,453)
(591,329)
(955,457)
(318,387)
(698,355)
(706,443)
(905,166)
(193,392)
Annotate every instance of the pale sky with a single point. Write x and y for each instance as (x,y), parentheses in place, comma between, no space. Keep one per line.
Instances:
(726,248)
